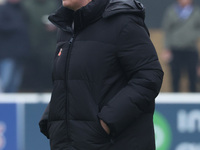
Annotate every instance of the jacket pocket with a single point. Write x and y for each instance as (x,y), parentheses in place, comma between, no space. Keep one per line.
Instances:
(57,131)
(88,131)
(101,129)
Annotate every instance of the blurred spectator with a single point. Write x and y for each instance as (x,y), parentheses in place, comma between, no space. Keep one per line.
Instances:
(42,35)
(14,45)
(182,29)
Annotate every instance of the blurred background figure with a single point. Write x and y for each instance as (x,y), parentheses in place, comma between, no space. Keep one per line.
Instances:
(14,45)
(42,35)
(181,25)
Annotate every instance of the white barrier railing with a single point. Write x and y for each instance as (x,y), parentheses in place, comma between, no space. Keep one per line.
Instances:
(165,98)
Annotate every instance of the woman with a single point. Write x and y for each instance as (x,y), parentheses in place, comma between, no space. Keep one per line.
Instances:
(106,76)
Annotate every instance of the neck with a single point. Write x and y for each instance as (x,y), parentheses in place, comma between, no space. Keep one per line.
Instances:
(83,3)
(76,6)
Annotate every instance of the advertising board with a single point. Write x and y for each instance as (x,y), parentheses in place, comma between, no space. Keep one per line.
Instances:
(177,122)
(8,127)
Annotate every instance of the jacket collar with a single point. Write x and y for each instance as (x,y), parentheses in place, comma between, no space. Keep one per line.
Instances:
(96,9)
(64,17)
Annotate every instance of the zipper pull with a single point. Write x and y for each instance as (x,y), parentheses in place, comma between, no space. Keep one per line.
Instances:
(71,40)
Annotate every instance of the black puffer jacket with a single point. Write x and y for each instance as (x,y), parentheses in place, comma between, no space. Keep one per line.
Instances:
(105,68)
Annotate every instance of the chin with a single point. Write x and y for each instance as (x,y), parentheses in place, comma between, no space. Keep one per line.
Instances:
(65,4)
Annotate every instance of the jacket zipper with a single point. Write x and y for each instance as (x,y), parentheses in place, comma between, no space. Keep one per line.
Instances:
(66,81)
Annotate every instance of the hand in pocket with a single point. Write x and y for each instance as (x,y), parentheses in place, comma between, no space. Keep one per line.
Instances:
(105,126)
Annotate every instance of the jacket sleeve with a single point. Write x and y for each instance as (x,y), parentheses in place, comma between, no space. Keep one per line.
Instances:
(139,60)
(43,122)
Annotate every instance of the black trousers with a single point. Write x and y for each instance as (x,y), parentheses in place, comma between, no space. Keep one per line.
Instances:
(184,60)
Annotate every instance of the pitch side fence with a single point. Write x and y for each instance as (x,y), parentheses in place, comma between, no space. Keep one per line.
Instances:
(176,121)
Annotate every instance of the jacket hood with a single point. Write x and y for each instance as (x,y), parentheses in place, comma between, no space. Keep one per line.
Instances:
(96,9)
(124,6)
